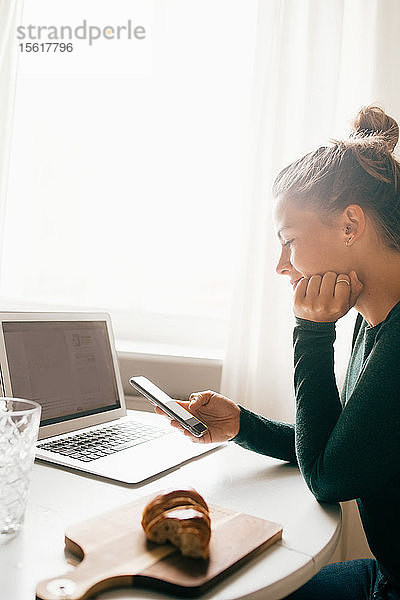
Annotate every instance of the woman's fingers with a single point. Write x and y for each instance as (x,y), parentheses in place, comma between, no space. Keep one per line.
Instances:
(314,285)
(301,289)
(199,399)
(342,289)
(327,297)
(328,287)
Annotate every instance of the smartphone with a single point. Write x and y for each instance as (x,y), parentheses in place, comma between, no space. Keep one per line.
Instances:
(168,405)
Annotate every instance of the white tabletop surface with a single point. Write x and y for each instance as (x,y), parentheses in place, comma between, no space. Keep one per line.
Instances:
(229,476)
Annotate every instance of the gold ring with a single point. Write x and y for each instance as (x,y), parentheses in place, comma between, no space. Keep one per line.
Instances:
(344,280)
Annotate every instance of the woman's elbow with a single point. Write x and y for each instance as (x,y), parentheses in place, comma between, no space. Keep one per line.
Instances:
(324,490)
(323,496)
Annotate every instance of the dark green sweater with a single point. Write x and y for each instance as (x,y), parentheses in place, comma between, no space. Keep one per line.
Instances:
(350,447)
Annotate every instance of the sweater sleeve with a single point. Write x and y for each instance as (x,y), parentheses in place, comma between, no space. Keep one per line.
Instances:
(265,436)
(349,452)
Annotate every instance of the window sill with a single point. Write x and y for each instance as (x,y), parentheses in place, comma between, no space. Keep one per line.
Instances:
(177,373)
(167,350)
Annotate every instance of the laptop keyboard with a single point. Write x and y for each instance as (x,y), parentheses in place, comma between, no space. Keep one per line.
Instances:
(91,445)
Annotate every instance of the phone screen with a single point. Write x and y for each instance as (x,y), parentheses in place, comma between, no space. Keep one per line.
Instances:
(161,399)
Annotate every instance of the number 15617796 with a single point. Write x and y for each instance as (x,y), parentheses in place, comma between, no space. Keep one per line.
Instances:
(46,47)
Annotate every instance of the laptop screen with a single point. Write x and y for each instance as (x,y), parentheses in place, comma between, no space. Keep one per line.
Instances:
(65,366)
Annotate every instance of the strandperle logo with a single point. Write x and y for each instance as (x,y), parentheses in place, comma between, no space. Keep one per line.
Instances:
(89,33)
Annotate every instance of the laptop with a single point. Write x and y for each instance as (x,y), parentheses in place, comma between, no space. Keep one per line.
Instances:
(67,362)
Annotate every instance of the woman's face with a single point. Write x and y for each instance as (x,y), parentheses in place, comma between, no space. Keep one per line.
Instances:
(309,246)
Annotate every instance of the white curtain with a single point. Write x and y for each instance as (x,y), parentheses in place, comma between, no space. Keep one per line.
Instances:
(316,63)
(142,145)
(10,15)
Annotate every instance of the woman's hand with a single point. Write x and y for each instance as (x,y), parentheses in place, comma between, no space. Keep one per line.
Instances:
(326,298)
(221,415)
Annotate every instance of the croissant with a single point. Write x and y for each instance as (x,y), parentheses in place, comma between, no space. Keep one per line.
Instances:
(181,517)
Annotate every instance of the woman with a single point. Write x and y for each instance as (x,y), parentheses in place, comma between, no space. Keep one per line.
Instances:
(337,217)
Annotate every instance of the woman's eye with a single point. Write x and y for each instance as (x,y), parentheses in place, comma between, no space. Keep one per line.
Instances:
(289,242)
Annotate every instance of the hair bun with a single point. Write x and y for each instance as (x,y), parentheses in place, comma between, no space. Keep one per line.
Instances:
(372,120)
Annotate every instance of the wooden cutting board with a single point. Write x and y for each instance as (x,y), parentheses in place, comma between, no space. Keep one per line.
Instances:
(115,552)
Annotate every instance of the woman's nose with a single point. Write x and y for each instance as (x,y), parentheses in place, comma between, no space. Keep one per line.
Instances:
(284,265)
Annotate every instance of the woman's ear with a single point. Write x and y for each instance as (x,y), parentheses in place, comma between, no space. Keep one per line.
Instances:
(353,223)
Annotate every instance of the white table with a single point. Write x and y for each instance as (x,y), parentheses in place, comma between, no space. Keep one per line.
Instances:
(229,476)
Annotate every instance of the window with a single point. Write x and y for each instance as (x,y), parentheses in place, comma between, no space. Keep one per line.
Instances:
(127,170)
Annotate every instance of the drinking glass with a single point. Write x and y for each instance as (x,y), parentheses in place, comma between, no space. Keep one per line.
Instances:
(19,427)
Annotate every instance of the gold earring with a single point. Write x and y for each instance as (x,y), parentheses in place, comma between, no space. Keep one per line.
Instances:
(347,242)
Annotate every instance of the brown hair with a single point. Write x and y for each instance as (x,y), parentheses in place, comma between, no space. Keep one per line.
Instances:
(359,170)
